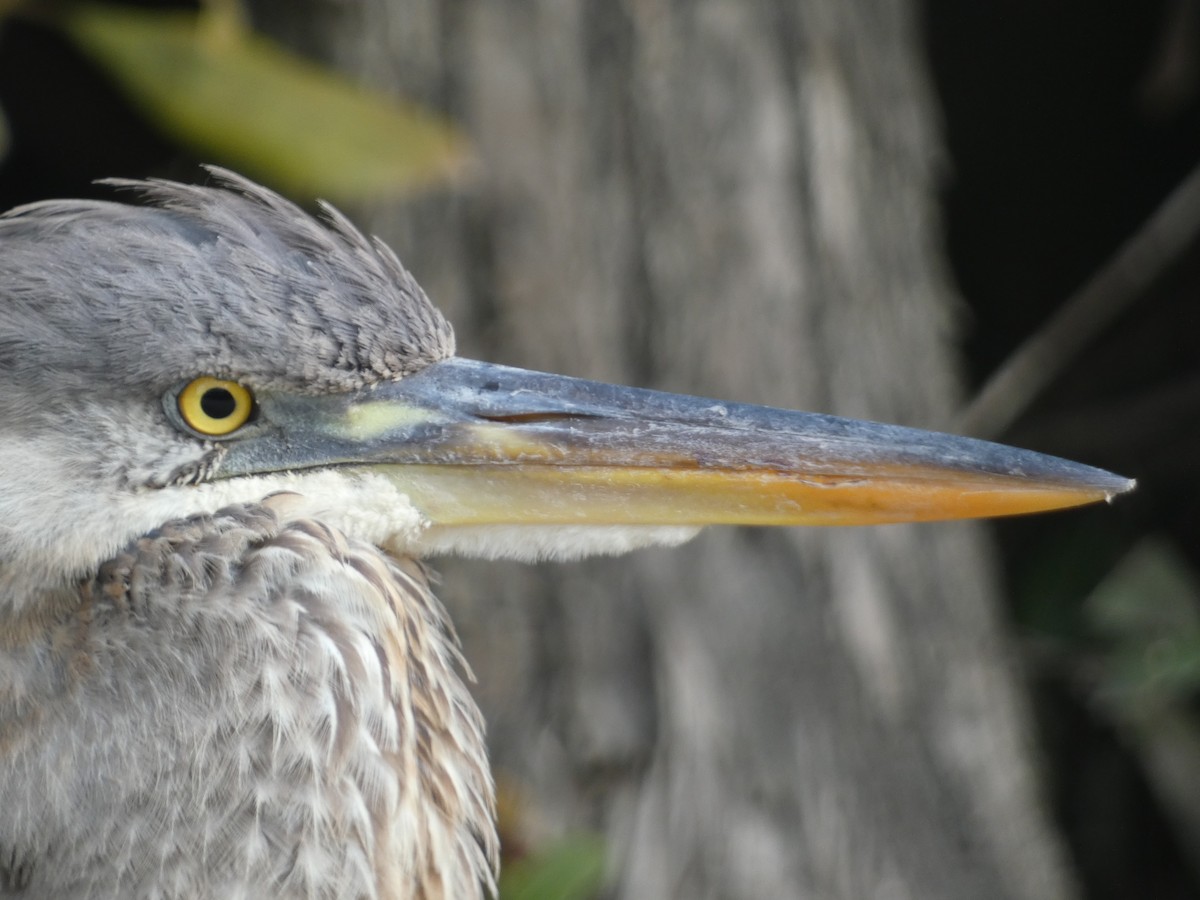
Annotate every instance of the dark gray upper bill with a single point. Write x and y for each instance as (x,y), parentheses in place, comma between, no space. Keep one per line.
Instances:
(578,416)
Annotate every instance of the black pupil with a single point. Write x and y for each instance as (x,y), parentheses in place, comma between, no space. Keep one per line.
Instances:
(218,403)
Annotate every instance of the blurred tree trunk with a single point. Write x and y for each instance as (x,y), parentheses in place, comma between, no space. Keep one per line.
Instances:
(737,199)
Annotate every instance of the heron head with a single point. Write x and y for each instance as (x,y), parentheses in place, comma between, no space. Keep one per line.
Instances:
(220,345)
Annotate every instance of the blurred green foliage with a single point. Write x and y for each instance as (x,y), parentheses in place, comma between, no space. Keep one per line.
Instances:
(1147,614)
(570,870)
(1146,617)
(210,83)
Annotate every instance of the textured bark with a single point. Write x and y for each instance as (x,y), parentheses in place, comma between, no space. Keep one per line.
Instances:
(730,198)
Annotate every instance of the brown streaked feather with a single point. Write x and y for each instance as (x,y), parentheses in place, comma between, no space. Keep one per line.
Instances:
(330,746)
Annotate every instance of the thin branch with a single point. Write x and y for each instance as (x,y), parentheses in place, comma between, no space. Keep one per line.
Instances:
(1114,287)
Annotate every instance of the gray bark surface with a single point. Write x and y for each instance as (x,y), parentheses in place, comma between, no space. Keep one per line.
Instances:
(734,199)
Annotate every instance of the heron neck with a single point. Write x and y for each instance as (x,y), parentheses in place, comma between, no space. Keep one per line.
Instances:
(43,635)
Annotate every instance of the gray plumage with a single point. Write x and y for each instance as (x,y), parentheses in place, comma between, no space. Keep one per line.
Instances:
(209,726)
(233,283)
(240,703)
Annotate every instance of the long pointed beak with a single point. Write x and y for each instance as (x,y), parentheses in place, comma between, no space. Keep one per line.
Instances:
(474,444)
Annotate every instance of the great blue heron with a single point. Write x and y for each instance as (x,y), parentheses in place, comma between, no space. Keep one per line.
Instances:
(229,433)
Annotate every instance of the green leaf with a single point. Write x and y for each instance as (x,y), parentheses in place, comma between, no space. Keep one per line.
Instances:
(571,870)
(244,101)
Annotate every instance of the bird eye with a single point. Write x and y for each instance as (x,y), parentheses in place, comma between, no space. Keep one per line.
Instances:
(215,407)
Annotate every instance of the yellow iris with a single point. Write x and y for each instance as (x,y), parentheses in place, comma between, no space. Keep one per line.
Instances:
(215,407)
